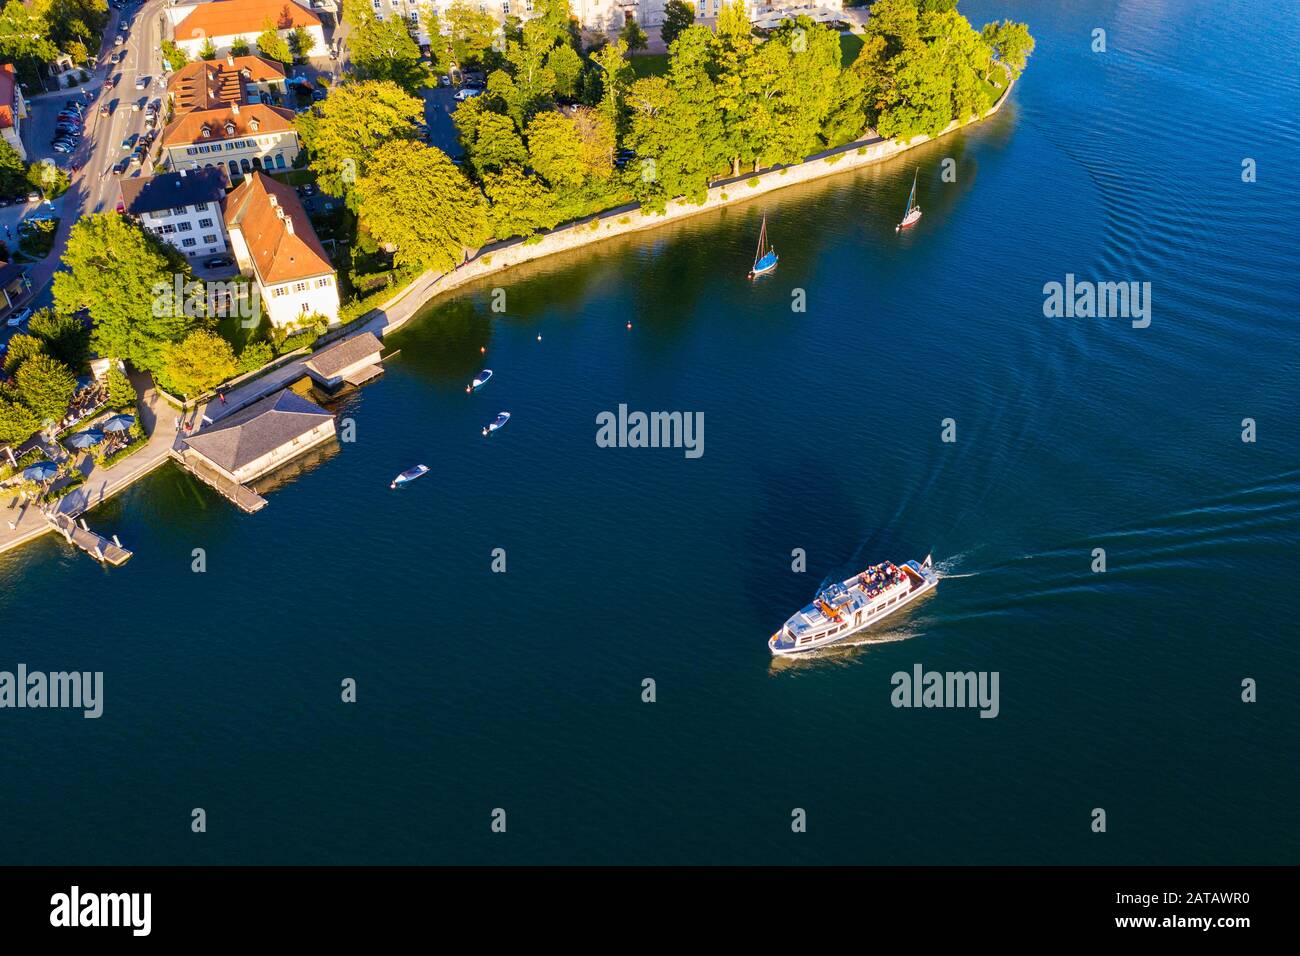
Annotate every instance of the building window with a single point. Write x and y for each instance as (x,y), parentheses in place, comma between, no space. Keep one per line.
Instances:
(300,287)
(200,207)
(505,7)
(205,223)
(323,283)
(184,226)
(210,240)
(188,242)
(279,291)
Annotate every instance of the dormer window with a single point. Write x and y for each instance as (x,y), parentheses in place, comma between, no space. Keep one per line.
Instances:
(230,129)
(254,124)
(206,131)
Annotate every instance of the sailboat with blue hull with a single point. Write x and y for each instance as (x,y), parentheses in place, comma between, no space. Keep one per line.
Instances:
(764,262)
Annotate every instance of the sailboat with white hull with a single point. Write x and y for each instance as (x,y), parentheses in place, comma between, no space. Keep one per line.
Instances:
(913,212)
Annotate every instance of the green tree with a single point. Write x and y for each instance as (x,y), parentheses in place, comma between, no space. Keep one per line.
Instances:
(124,278)
(301,43)
(21,348)
(175,57)
(633,36)
(414,198)
(497,144)
(254,356)
(238,47)
(65,337)
(24,40)
(46,386)
(732,51)
(17,422)
(121,393)
(520,204)
(555,151)
(1010,43)
(13,171)
(677,17)
(565,64)
(272,46)
(470,33)
(209,52)
(197,363)
(615,76)
(353,122)
(382,49)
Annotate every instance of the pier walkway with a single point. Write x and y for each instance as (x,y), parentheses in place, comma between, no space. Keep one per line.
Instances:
(95,545)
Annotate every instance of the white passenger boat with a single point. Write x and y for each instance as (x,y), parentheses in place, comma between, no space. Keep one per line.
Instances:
(843,609)
(481,379)
(497,423)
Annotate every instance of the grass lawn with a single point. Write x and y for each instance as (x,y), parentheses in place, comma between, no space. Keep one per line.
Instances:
(850,44)
(294,177)
(233,329)
(649,64)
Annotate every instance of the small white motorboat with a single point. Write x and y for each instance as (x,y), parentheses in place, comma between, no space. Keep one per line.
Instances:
(497,423)
(410,475)
(481,379)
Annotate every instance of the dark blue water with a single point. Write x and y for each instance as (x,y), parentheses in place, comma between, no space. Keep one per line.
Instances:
(522,690)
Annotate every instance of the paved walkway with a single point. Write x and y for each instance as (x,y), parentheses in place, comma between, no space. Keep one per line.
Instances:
(159,421)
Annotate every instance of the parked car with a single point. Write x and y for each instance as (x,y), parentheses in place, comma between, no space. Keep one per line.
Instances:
(466,93)
(120,166)
(444,80)
(141,82)
(113,80)
(218,262)
(18,318)
(130,141)
(104,109)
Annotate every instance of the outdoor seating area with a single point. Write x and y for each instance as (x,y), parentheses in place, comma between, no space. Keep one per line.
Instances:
(89,399)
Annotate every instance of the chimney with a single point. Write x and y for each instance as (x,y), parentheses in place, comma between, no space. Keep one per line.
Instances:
(234,108)
(230,59)
(288,225)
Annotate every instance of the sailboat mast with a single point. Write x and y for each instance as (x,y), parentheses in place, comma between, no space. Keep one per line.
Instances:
(762,238)
(912,196)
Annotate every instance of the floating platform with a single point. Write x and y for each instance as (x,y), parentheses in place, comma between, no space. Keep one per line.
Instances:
(241,496)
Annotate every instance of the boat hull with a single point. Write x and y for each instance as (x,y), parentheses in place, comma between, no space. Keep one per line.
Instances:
(911,220)
(928,581)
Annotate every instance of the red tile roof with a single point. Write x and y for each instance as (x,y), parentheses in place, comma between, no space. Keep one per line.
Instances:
(276,229)
(224,18)
(243,121)
(207,84)
(8,83)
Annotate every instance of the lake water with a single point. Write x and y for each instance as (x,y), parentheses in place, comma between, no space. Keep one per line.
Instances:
(823,432)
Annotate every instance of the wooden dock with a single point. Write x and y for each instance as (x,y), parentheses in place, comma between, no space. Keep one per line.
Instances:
(241,496)
(95,545)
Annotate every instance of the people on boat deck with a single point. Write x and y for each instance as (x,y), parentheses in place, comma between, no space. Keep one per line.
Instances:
(878,577)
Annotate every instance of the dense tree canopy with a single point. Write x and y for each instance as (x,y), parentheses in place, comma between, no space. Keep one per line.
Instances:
(123,277)
(415,199)
(46,386)
(197,363)
(345,131)
(382,49)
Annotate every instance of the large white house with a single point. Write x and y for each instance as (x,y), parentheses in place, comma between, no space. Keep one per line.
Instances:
(182,208)
(222,22)
(239,139)
(274,242)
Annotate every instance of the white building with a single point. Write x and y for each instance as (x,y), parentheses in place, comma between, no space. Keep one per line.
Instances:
(224,21)
(182,208)
(273,241)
